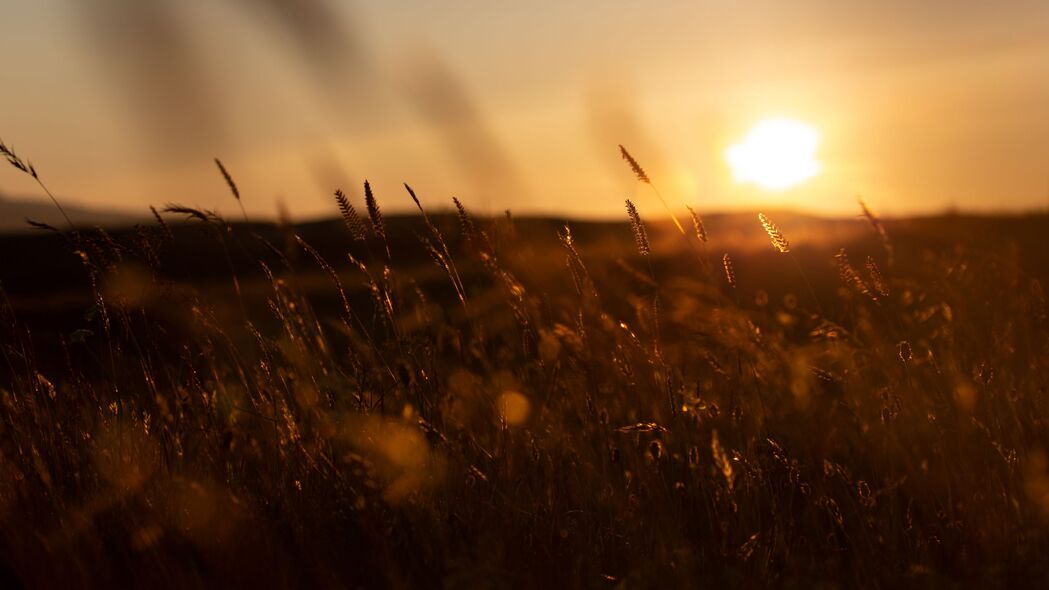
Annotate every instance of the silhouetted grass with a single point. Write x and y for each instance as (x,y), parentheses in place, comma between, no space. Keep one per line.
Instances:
(510,408)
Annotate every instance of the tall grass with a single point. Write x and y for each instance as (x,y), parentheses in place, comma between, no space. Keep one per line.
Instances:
(522,415)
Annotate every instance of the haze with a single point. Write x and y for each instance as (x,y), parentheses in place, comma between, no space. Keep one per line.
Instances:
(920,106)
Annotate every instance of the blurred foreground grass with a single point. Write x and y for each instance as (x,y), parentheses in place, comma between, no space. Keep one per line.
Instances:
(474,402)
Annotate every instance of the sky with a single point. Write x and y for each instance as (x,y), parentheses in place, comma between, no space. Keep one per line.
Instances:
(920,106)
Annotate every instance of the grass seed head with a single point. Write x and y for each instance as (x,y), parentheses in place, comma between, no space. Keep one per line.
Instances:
(697,225)
(851,277)
(229,179)
(353,221)
(378,224)
(640,234)
(778,240)
(730,271)
(636,168)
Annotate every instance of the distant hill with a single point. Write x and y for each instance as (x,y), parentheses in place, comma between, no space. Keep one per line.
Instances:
(13,213)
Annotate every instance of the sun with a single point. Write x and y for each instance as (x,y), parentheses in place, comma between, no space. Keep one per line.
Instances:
(776,154)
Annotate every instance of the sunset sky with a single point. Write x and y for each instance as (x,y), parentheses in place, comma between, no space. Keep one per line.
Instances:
(920,106)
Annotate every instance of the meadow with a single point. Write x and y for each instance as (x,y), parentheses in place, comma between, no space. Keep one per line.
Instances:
(465,401)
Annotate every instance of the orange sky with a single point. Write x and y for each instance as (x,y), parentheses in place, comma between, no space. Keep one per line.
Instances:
(921,105)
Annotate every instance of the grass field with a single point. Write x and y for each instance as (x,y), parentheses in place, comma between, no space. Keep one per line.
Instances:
(465,401)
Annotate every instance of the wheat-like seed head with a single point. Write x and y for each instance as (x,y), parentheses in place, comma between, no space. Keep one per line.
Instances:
(640,234)
(877,279)
(14,160)
(27,167)
(378,225)
(697,224)
(473,232)
(229,179)
(730,272)
(353,221)
(160,221)
(415,199)
(639,172)
(778,240)
(466,222)
(200,214)
(851,277)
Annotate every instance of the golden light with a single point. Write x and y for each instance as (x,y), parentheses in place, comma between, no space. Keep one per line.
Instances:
(776,154)
(514,408)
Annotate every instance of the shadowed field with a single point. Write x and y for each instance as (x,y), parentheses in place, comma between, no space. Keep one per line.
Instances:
(472,402)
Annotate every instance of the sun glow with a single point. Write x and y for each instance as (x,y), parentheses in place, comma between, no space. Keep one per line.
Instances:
(776,154)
